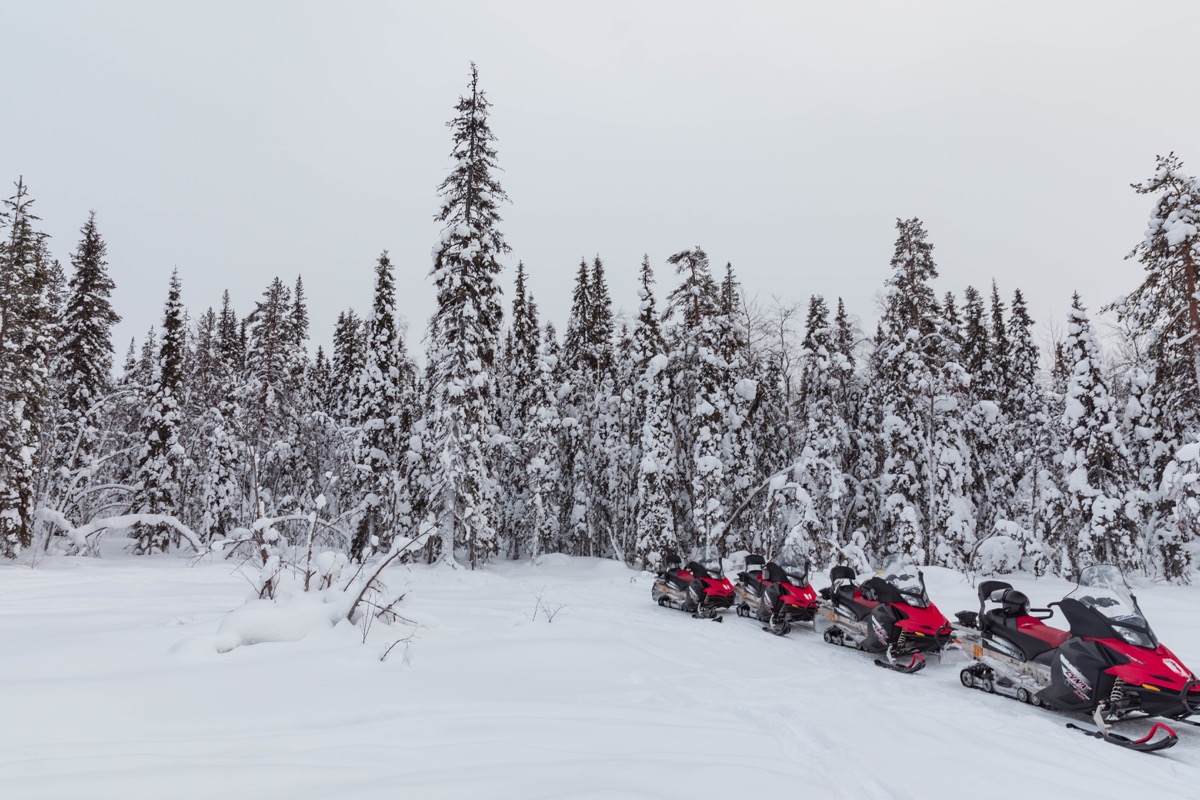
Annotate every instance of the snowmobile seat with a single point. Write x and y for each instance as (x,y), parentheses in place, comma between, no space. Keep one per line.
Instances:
(853,601)
(1029,634)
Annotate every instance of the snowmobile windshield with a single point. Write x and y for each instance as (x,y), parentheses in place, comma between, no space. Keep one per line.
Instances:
(797,574)
(1103,589)
(902,573)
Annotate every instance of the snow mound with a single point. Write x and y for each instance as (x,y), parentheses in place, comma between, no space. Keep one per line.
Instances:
(289,620)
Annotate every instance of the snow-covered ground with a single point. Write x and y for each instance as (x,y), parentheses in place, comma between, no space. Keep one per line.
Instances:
(112,686)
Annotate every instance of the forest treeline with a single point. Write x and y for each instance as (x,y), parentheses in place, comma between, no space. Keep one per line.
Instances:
(705,425)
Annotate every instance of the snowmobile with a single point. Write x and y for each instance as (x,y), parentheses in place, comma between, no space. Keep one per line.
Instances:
(889,615)
(1108,663)
(774,595)
(702,591)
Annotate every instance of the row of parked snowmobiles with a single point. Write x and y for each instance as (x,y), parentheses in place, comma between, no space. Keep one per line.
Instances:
(1107,663)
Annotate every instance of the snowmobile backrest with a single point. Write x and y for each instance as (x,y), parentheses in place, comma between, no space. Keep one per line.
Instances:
(754,561)
(841,573)
(988,588)
(671,560)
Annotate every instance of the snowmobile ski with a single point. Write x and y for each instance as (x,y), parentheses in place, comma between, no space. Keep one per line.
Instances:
(915,665)
(1146,744)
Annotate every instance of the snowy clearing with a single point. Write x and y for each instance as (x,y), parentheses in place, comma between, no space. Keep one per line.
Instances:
(114,687)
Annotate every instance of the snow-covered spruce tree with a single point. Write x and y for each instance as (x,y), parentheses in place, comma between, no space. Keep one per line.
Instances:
(954,423)
(515,387)
(977,346)
(271,402)
(625,446)
(1031,438)
(540,445)
(604,445)
(230,341)
(820,468)
(700,379)
(573,373)
(655,522)
(1095,462)
(1165,311)
(464,335)
(987,488)
(377,396)
(161,456)
(742,400)
(905,386)
(27,331)
(84,357)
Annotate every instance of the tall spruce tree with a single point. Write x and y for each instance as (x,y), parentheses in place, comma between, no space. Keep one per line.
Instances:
(700,380)
(27,331)
(904,388)
(1165,311)
(161,456)
(85,351)
(1095,461)
(464,336)
(374,418)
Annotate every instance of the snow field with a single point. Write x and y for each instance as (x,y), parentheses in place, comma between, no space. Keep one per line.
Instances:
(114,687)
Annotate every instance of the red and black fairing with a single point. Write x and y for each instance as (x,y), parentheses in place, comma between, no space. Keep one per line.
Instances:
(900,625)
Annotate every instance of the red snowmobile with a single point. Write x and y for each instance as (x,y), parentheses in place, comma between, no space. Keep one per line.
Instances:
(889,615)
(775,595)
(1108,664)
(702,591)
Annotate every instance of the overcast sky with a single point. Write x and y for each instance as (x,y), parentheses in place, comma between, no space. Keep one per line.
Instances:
(243,140)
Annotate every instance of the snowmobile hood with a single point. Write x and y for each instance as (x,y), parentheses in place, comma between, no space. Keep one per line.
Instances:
(1156,669)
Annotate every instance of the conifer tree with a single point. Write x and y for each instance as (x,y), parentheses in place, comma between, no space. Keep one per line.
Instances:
(1165,311)
(27,329)
(85,351)
(160,459)
(702,402)
(349,355)
(540,446)
(906,382)
(1095,461)
(655,526)
(377,396)
(819,470)
(464,336)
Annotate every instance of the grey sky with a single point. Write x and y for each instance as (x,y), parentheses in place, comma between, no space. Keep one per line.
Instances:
(243,140)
